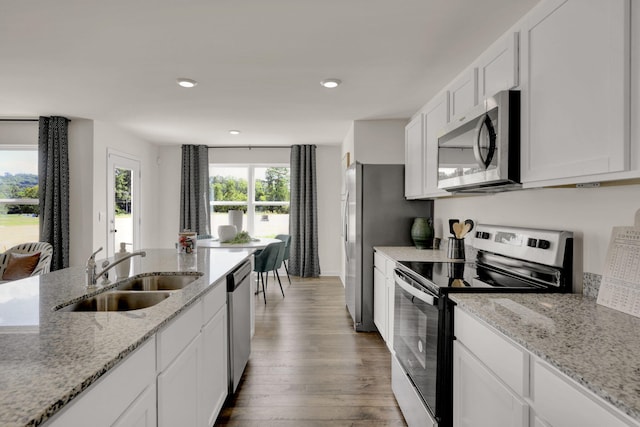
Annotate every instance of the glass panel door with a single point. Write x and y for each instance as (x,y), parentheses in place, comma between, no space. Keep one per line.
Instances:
(123,203)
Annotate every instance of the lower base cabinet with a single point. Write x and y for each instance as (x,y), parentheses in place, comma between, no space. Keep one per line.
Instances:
(497,382)
(480,398)
(142,412)
(179,377)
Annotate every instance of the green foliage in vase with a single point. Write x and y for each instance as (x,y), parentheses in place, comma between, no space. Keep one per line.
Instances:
(241,237)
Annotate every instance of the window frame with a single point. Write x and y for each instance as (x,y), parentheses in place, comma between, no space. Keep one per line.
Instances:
(251,203)
(21,147)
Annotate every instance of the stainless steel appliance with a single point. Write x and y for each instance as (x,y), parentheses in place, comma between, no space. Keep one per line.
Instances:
(508,259)
(481,150)
(239,322)
(375,213)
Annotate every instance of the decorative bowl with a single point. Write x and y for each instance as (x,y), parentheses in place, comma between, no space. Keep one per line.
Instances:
(227,232)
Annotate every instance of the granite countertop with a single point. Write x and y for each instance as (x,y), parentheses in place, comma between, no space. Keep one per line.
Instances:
(48,357)
(596,346)
(410,253)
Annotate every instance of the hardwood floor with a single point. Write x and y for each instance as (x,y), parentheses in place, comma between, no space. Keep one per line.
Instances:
(309,368)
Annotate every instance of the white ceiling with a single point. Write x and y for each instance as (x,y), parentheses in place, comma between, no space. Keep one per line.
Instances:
(258,62)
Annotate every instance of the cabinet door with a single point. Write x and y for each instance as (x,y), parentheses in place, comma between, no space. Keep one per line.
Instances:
(577,407)
(142,412)
(380,302)
(479,398)
(213,368)
(435,118)
(178,389)
(413,138)
(498,67)
(575,89)
(463,93)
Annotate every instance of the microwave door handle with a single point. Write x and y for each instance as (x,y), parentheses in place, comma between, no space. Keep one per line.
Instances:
(485,121)
(422,296)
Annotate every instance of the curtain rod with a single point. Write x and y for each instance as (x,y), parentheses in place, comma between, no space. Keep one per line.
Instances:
(248,146)
(18,120)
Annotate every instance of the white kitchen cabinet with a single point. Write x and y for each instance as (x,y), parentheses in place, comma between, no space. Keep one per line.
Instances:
(383,296)
(463,93)
(213,386)
(436,116)
(498,66)
(380,301)
(142,412)
(413,164)
(178,388)
(480,398)
(578,408)
(498,382)
(116,394)
(575,90)
(193,363)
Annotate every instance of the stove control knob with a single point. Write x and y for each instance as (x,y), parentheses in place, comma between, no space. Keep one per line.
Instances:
(544,244)
(532,242)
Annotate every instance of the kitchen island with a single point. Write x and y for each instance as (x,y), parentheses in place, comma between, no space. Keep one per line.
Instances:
(48,358)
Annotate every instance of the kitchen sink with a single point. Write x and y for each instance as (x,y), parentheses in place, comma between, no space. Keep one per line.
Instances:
(158,282)
(118,301)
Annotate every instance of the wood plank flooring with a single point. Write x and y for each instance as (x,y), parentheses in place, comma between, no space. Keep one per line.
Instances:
(309,368)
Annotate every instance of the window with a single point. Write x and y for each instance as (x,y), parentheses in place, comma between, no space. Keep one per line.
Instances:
(19,207)
(260,191)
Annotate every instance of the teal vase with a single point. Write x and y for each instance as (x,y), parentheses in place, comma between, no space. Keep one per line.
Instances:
(422,233)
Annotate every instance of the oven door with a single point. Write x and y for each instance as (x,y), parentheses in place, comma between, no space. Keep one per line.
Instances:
(415,339)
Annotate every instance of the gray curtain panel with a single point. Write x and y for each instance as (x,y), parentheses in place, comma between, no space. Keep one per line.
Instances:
(53,178)
(303,217)
(194,190)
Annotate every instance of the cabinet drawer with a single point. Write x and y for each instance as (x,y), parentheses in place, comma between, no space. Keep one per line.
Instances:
(559,402)
(508,361)
(178,334)
(215,300)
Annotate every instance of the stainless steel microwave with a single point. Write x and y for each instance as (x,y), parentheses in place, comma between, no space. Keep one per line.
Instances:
(480,152)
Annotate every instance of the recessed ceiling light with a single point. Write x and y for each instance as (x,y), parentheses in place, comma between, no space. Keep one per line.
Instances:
(330,83)
(187,82)
(234,132)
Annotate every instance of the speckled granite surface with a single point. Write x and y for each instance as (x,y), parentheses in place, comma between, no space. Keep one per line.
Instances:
(48,357)
(596,346)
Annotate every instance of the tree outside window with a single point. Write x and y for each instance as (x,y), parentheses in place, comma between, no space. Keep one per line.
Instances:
(261,192)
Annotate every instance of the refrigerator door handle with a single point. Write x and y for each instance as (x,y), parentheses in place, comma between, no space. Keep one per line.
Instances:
(346,226)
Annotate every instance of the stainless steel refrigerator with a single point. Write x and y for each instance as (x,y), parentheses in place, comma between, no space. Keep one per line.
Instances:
(375,214)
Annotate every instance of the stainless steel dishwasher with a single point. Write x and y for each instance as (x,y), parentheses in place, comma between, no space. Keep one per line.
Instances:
(239,321)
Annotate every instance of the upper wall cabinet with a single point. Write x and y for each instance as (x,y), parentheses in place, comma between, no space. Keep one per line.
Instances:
(498,67)
(463,93)
(575,89)
(413,166)
(435,117)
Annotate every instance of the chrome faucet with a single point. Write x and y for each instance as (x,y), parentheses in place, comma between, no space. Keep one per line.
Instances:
(92,276)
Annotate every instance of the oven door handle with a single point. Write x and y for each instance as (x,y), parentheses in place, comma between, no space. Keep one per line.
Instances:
(425,297)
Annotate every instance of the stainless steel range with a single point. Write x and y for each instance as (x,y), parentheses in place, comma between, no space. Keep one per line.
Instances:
(508,259)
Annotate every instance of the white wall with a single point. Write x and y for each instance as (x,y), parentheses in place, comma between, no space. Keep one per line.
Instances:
(379,141)
(107,137)
(589,212)
(80,190)
(327,162)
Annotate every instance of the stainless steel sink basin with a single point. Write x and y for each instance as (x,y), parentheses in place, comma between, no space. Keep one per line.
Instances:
(158,282)
(118,301)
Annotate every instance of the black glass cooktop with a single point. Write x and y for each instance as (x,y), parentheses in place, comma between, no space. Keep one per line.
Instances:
(461,276)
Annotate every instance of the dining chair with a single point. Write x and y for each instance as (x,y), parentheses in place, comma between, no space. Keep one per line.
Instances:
(42,266)
(267,261)
(287,246)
